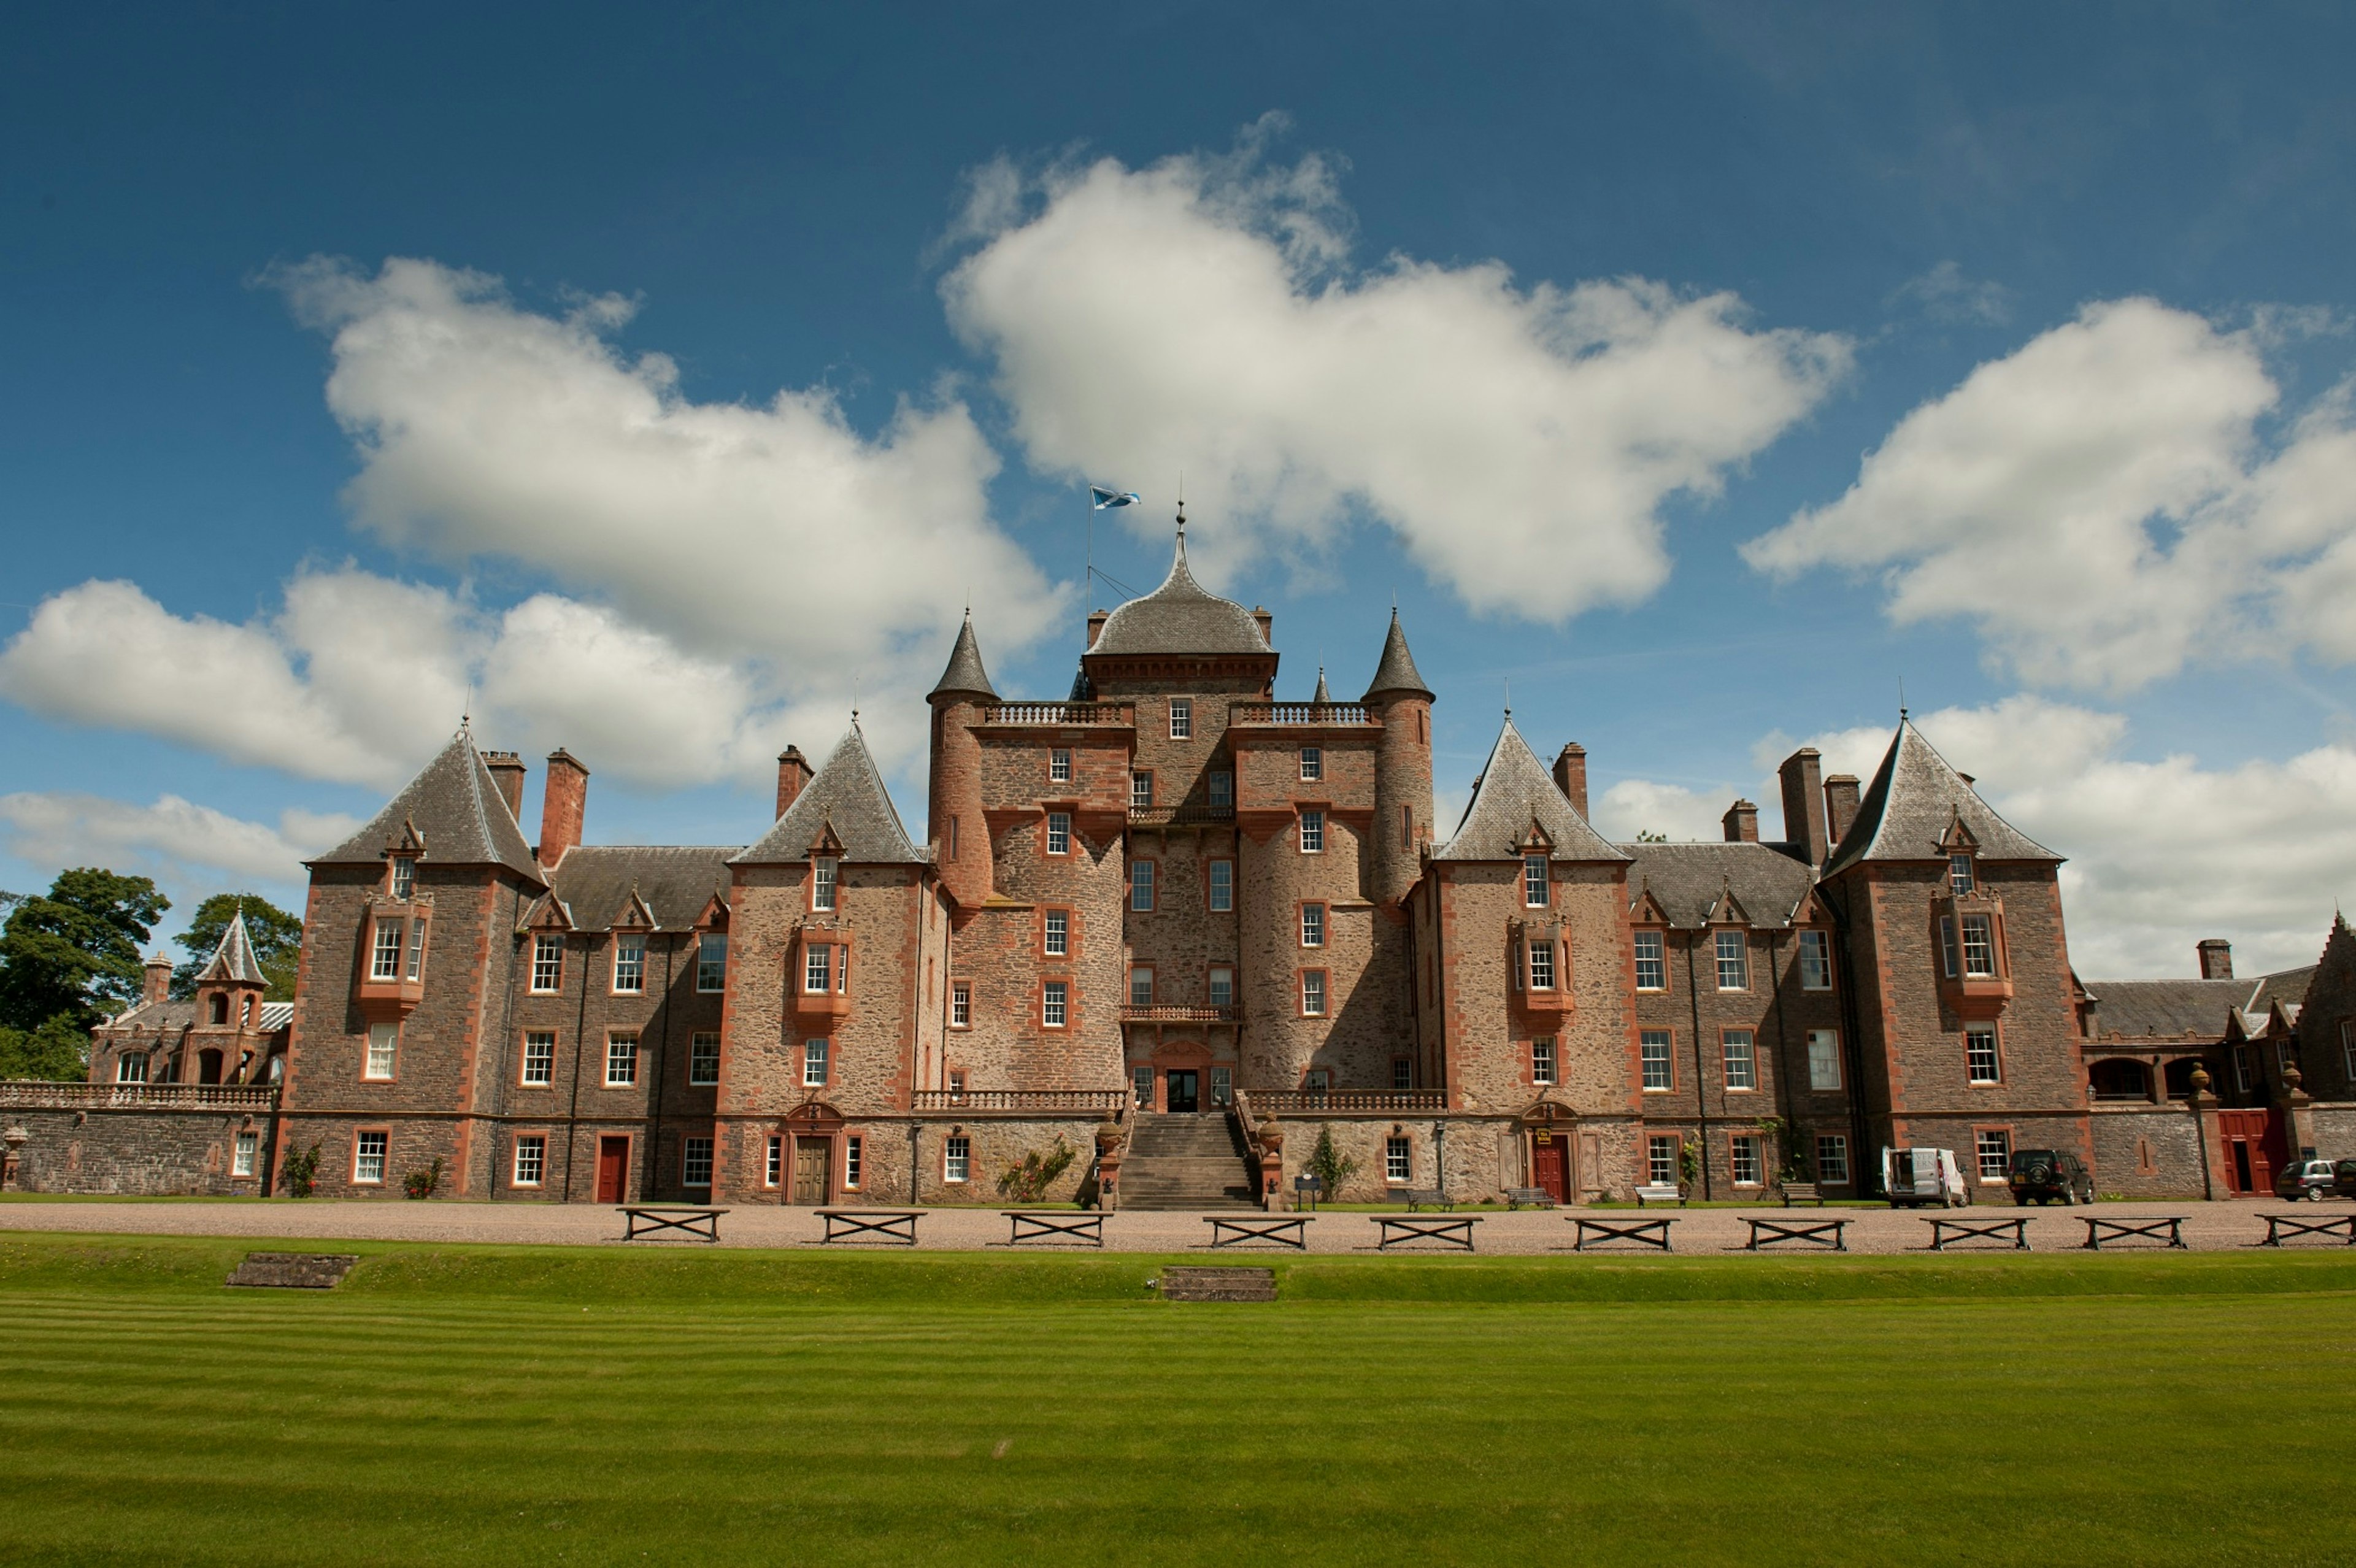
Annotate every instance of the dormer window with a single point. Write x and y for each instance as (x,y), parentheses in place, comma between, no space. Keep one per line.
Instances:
(1534,881)
(823,873)
(1959,873)
(404,877)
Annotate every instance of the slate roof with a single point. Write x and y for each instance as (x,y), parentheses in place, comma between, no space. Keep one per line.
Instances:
(848,795)
(964,672)
(2162,1009)
(1906,811)
(1516,790)
(1397,671)
(457,810)
(232,960)
(1180,616)
(594,883)
(1323,693)
(160,1016)
(1689,881)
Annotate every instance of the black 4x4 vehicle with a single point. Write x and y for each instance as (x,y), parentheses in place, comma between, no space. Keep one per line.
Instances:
(2046,1174)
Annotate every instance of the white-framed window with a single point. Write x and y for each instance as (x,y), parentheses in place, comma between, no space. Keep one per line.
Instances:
(1733,949)
(384,1048)
(1824,1059)
(1056,941)
(1947,944)
(621,1061)
(1055,1002)
(1996,1155)
(1959,873)
(774,1169)
(1534,881)
(531,1158)
(1223,886)
(1182,718)
(703,1061)
(539,1057)
(1059,832)
(1313,993)
(1832,1158)
(1141,885)
(1141,986)
(825,968)
(1741,1059)
(1654,1046)
(1141,791)
(1979,944)
(1661,1160)
(711,961)
(629,964)
(826,872)
(1312,764)
(695,1162)
(1815,961)
(1223,986)
(1652,962)
(384,957)
(1542,1059)
(244,1155)
(547,964)
(416,953)
(368,1159)
(1981,1064)
(815,1055)
(1745,1163)
(1541,953)
(1059,765)
(956,1157)
(960,1004)
(404,877)
(1223,788)
(854,1147)
(1313,925)
(1312,833)
(1141,1082)
(1398,1161)
(130,1068)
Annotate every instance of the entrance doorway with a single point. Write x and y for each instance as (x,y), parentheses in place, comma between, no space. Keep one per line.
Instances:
(613,1169)
(2254,1150)
(1550,1165)
(1183,1087)
(812,1165)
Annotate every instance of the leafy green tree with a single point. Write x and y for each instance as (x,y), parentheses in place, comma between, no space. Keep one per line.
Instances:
(58,1049)
(73,953)
(277,942)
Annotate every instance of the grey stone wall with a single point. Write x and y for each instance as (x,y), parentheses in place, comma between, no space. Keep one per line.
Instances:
(140,1153)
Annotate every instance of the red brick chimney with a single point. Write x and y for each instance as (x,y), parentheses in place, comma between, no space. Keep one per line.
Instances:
(1741,823)
(155,986)
(1266,623)
(507,772)
(562,805)
(1571,774)
(1803,802)
(1840,806)
(1096,618)
(2216,959)
(793,772)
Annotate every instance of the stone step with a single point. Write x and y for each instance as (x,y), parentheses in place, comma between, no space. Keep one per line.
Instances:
(1188,1282)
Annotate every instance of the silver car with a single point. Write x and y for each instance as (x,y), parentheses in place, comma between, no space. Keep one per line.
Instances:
(2307,1178)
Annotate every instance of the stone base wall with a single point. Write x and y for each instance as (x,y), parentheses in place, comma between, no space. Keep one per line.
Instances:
(146,1153)
(2150,1151)
(1484,1155)
(2335,1129)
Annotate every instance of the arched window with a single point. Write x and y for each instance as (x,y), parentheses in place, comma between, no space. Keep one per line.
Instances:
(2119,1078)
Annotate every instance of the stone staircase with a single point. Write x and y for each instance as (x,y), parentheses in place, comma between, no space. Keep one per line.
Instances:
(1185,1162)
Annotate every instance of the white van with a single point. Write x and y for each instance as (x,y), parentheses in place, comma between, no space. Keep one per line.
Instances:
(1924,1178)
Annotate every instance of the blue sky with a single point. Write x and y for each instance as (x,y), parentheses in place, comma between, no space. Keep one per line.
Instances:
(326,398)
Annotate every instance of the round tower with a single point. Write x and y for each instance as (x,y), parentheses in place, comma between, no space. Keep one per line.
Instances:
(1399,697)
(960,700)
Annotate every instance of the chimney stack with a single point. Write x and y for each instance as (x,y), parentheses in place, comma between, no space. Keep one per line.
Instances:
(793,772)
(2216,959)
(1741,822)
(1096,618)
(1266,622)
(1571,774)
(1840,807)
(1803,804)
(155,986)
(564,799)
(507,772)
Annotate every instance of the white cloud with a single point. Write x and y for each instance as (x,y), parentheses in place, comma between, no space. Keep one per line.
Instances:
(1675,812)
(189,849)
(1521,440)
(1945,295)
(2102,504)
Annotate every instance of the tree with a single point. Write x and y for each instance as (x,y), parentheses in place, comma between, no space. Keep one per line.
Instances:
(74,951)
(277,942)
(58,1051)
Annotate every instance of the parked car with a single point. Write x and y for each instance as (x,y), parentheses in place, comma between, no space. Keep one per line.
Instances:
(2046,1174)
(2343,1178)
(1924,1178)
(2310,1179)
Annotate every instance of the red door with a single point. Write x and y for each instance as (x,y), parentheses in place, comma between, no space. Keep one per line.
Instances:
(2252,1151)
(1550,1164)
(613,1169)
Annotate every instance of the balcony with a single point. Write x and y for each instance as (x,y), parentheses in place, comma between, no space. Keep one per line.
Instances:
(1174,1015)
(139,1097)
(1058,1102)
(1180,815)
(1311,1102)
(1061,715)
(1323,715)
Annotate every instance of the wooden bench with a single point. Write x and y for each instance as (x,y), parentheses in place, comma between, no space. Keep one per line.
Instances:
(1052,1228)
(1659,1192)
(1645,1232)
(1946,1233)
(1528,1198)
(1832,1234)
(1268,1230)
(2281,1227)
(1796,1192)
(2167,1229)
(653,1218)
(1404,1230)
(1419,1198)
(882,1227)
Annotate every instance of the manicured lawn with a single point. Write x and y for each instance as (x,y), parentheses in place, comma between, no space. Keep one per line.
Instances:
(589,1405)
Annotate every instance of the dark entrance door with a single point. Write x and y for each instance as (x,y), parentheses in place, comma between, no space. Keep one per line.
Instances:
(2253,1142)
(613,1169)
(1183,1088)
(1550,1164)
(811,1164)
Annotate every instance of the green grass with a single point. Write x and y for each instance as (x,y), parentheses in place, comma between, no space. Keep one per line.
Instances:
(595,1405)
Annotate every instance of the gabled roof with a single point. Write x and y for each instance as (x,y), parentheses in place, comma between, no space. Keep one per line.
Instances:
(1180,616)
(2164,1010)
(965,673)
(1913,803)
(1397,672)
(1694,884)
(847,799)
(455,809)
(600,887)
(232,960)
(1516,793)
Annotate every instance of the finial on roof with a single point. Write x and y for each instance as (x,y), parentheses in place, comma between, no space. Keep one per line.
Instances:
(1323,696)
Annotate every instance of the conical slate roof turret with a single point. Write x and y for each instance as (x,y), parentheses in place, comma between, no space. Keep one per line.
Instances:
(1182,616)
(455,807)
(1397,672)
(1914,800)
(1514,795)
(848,797)
(1325,694)
(233,961)
(964,674)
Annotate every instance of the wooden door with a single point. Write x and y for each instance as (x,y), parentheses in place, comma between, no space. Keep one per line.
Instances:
(1185,1090)
(613,1169)
(2249,1172)
(813,1162)
(1550,1165)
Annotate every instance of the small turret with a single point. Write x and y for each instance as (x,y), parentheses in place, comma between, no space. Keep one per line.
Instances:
(1402,824)
(960,835)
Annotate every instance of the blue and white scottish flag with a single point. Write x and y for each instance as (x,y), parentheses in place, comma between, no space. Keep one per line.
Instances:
(1103,498)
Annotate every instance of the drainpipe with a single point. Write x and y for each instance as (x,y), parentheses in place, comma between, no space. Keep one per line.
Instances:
(1701,1104)
(580,1048)
(1784,1088)
(1865,1177)
(662,1064)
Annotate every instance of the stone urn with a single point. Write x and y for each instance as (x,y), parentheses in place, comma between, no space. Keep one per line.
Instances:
(1108,1137)
(1271,1137)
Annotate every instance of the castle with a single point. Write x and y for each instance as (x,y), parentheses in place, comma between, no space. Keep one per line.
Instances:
(1166,935)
